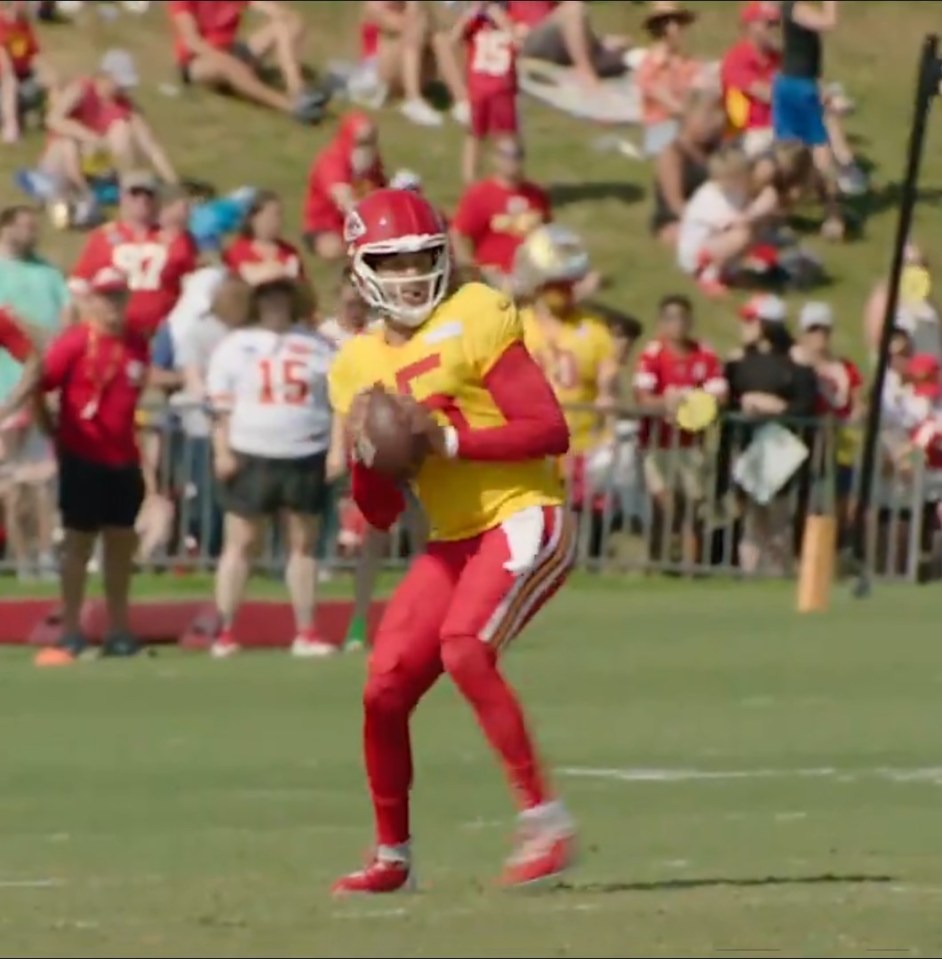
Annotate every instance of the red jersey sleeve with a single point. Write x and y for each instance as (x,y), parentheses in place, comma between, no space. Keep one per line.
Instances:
(647,378)
(471,217)
(95,256)
(535,426)
(60,357)
(737,72)
(854,376)
(13,338)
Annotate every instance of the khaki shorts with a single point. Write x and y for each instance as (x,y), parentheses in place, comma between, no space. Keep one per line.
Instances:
(680,470)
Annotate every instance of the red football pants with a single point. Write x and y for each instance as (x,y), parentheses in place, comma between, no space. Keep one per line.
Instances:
(459,605)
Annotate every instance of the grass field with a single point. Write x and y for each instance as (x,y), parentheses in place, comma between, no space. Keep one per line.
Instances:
(746,782)
(604,195)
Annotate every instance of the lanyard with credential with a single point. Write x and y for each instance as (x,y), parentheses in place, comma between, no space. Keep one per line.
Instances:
(101,379)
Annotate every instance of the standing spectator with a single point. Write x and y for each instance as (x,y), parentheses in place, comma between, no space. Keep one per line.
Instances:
(798,108)
(96,128)
(97,367)
(348,168)
(491,57)
(496,215)
(209,52)
(666,75)
(560,33)
(34,291)
(670,367)
(680,169)
(268,387)
(153,260)
(747,74)
(24,76)
(260,249)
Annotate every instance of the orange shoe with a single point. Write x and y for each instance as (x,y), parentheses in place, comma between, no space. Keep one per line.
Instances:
(379,877)
(53,656)
(542,854)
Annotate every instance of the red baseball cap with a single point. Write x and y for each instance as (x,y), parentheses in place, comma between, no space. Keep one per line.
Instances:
(924,373)
(759,11)
(108,281)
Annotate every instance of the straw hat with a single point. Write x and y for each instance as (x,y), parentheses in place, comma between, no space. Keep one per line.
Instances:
(663,11)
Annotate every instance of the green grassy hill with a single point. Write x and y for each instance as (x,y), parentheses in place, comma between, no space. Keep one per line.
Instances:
(605,195)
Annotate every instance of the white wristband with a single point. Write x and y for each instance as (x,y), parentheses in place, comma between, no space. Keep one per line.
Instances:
(451,442)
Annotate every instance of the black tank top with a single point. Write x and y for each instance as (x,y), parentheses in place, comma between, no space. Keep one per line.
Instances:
(801,48)
(693,174)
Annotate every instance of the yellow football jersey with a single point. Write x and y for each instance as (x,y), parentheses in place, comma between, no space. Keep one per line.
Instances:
(444,365)
(571,357)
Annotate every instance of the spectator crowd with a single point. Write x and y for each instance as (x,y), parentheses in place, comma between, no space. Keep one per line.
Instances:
(155,295)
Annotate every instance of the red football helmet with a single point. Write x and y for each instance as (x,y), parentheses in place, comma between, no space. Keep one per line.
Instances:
(389,223)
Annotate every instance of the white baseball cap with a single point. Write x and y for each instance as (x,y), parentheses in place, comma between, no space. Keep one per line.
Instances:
(767,308)
(816,314)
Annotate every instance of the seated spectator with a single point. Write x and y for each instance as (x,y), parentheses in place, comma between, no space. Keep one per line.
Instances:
(487,34)
(681,168)
(718,227)
(24,75)
(96,130)
(399,40)
(344,171)
(495,215)
(210,53)
(260,248)
(747,72)
(917,311)
(666,75)
(153,260)
(560,33)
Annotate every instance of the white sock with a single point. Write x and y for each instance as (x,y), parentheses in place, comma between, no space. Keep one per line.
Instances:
(399,854)
(551,814)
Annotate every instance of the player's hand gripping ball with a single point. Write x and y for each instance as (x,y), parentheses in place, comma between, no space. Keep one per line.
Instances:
(386,435)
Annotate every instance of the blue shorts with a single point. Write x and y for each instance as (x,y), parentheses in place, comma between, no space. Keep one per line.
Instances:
(798,111)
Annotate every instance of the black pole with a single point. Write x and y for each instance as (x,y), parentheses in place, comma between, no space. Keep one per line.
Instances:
(927,85)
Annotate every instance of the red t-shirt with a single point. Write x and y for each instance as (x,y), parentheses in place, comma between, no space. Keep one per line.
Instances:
(19,40)
(745,65)
(155,265)
(218,22)
(839,382)
(491,59)
(244,253)
(13,338)
(661,368)
(97,113)
(330,168)
(531,12)
(99,378)
(496,219)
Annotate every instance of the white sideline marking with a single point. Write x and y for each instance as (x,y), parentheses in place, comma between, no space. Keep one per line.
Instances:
(31,883)
(927,774)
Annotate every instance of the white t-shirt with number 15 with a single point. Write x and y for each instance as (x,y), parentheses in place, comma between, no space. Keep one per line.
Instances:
(274,388)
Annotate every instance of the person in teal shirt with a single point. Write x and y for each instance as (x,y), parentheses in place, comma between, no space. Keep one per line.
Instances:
(30,285)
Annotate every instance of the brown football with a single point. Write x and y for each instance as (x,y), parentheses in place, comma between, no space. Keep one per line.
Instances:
(388,443)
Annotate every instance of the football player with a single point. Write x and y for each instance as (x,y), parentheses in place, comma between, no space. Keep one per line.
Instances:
(500,544)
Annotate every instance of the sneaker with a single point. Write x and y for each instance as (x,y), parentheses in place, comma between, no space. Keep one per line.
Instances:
(852,181)
(355,639)
(120,646)
(66,652)
(421,113)
(311,646)
(224,646)
(310,105)
(461,113)
(544,850)
(378,877)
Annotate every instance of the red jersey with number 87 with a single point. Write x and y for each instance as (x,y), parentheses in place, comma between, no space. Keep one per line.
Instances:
(445,367)
(154,262)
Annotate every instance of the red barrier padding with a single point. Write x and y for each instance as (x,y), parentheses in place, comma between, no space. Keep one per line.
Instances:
(259,624)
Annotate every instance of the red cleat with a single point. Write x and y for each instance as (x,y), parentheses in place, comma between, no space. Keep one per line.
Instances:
(380,876)
(542,855)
